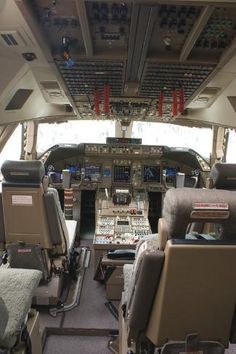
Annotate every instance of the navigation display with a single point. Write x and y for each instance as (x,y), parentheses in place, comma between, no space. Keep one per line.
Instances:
(92,173)
(170,171)
(152,173)
(74,170)
(122,173)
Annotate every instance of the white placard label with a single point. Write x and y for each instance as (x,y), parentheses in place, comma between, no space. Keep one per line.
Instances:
(212,206)
(22,200)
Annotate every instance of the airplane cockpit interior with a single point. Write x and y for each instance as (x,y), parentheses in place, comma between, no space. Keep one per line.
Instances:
(117,177)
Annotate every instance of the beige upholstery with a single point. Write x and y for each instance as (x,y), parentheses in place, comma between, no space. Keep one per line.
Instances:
(179,210)
(33,216)
(25,216)
(4,317)
(195,287)
(23,206)
(16,291)
(223,176)
(196,293)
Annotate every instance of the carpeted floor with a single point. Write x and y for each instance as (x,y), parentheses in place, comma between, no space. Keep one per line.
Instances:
(231,349)
(76,345)
(92,312)
(90,315)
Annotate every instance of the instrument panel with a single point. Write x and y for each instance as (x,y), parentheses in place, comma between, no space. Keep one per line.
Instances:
(128,182)
(95,166)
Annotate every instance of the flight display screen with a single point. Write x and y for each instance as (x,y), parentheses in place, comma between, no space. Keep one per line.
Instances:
(122,173)
(152,173)
(123,222)
(92,173)
(74,170)
(170,171)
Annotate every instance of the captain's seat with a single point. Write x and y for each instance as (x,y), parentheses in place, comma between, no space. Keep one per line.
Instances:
(181,283)
(222,176)
(37,236)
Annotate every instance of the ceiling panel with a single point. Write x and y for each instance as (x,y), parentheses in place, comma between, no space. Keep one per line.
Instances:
(138,48)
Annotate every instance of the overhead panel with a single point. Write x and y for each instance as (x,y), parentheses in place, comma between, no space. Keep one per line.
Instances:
(167,77)
(139,49)
(109,25)
(217,35)
(60,22)
(86,76)
(173,24)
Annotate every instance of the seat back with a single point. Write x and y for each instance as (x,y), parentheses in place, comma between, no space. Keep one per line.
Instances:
(184,206)
(196,293)
(195,289)
(142,280)
(32,212)
(223,176)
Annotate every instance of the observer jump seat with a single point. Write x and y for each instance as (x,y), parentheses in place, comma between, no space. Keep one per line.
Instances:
(36,231)
(223,176)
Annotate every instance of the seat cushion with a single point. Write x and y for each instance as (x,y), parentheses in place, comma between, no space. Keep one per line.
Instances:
(128,270)
(4,317)
(16,288)
(149,244)
(140,282)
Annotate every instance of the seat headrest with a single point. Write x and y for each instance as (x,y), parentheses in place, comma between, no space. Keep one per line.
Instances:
(23,171)
(224,175)
(186,205)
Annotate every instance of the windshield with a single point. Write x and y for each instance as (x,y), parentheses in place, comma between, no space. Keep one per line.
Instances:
(73,132)
(198,139)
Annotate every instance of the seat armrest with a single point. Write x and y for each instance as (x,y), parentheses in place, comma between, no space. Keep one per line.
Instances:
(140,304)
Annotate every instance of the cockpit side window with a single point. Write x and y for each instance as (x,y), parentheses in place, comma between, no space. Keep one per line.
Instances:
(231,155)
(12,149)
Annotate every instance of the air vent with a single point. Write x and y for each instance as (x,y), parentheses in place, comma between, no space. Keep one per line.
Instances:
(12,39)
(50,85)
(232,100)
(210,91)
(205,98)
(19,99)
(52,92)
